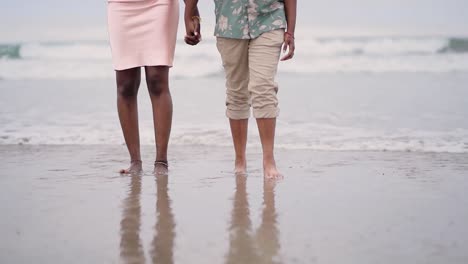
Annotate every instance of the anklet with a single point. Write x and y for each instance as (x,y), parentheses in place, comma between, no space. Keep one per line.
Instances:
(163,163)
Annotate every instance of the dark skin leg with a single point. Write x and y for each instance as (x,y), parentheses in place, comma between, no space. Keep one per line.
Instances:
(128,82)
(266,129)
(157,79)
(239,137)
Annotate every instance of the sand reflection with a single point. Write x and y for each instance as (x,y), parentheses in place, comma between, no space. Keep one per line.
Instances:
(162,245)
(267,236)
(131,249)
(246,246)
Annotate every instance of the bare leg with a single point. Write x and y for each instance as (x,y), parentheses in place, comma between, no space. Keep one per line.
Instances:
(157,79)
(239,137)
(266,129)
(128,82)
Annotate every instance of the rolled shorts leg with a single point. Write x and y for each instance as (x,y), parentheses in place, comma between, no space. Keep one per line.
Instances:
(264,53)
(234,54)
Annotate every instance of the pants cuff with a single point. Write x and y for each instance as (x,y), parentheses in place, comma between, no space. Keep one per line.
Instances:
(269,112)
(238,115)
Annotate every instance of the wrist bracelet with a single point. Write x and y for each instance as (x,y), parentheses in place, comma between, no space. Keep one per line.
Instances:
(289,34)
(197,18)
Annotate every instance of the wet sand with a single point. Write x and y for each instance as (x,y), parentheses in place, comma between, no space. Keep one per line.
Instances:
(67,204)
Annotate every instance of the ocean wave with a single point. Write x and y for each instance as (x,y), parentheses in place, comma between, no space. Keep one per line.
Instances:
(92,59)
(321,138)
(56,51)
(455,45)
(10,51)
(384,46)
(315,46)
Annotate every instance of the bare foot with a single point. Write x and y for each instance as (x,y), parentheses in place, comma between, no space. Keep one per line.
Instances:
(240,167)
(161,168)
(135,168)
(269,169)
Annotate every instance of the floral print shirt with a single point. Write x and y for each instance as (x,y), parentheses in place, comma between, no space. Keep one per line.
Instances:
(248,19)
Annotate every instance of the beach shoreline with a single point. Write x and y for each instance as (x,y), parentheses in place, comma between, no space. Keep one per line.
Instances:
(67,203)
(418,112)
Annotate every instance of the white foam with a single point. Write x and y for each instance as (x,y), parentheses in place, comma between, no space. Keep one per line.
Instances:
(317,137)
(91,60)
(88,51)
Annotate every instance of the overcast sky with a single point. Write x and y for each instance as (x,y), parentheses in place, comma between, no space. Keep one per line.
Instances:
(22,17)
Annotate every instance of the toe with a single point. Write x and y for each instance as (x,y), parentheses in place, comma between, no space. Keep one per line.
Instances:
(273,174)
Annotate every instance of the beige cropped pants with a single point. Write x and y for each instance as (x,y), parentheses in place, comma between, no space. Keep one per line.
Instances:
(251,67)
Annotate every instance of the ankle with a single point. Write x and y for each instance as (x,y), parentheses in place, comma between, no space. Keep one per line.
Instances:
(269,161)
(162,158)
(268,156)
(240,158)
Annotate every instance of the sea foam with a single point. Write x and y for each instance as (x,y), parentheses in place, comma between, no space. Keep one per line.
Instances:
(92,59)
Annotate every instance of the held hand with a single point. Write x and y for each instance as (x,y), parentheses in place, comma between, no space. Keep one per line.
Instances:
(288,46)
(193,28)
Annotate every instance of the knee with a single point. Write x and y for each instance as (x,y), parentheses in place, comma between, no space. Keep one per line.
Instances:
(264,95)
(240,96)
(157,82)
(127,88)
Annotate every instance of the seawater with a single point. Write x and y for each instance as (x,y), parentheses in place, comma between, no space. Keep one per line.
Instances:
(92,59)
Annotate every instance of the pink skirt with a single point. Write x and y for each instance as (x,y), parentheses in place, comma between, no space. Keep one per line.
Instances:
(142,32)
